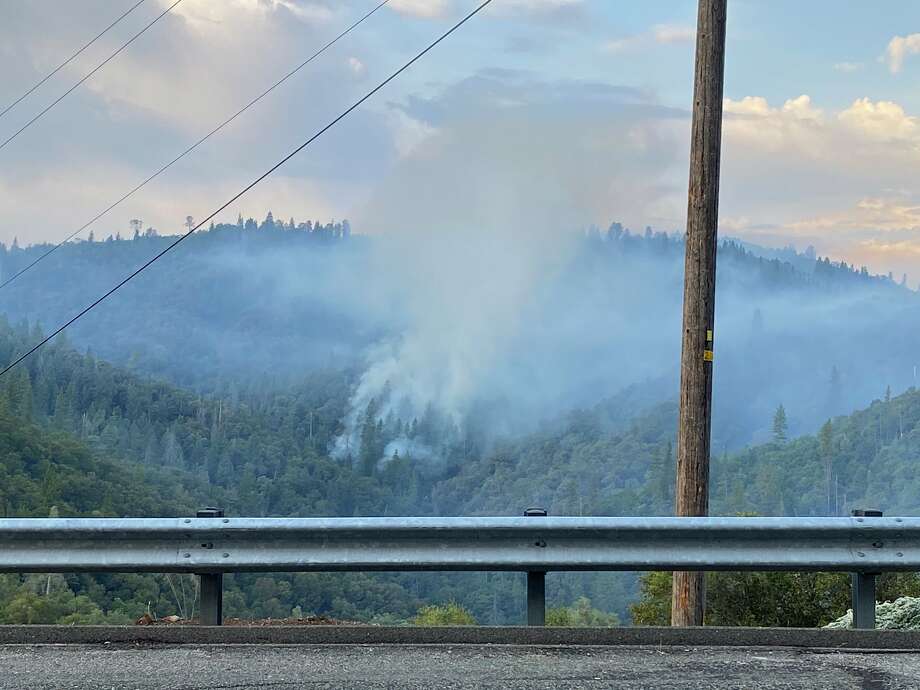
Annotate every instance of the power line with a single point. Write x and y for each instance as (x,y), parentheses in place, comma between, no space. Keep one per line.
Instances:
(194,146)
(243,191)
(89,74)
(71,58)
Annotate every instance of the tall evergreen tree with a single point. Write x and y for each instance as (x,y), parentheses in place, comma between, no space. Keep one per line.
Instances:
(780,425)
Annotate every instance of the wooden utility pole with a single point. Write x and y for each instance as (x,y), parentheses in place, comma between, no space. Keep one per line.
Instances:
(696,360)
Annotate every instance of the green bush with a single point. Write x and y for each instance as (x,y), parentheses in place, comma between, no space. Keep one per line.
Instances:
(778,599)
(581,615)
(58,607)
(448,614)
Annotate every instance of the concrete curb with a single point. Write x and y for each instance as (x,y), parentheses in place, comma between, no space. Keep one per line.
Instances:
(902,640)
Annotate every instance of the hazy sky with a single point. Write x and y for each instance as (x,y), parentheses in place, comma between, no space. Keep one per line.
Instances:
(822,137)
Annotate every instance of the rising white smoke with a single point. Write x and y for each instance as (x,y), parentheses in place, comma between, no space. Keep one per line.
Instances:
(475,227)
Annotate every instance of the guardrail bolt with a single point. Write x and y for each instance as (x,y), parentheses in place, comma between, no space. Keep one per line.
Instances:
(211,585)
(536,583)
(863,585)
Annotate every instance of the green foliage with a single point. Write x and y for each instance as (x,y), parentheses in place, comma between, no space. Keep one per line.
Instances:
(82,437)
(206,320)
(582,614)
(780,425)
(654,605)
(789,600)
(44,472)
(446,614)
(47,599)
(253,454)
(864,460)
(778,599)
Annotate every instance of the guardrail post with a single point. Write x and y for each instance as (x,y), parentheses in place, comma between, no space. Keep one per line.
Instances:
(211,585)
(863,587)
(536,585)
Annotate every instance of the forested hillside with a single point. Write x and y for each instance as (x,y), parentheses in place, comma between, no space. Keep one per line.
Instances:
(269,454)
(260,306)
(44,473)
(225,308)
(263,450)
(84,437)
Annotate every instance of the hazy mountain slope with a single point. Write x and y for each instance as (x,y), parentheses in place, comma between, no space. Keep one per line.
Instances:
(42,470)
(586,462)
(262,306)
(867,459)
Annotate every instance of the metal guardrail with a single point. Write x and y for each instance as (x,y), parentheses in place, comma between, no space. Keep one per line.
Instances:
(212,544)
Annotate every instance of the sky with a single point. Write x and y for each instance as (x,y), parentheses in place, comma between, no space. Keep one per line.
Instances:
(821,141)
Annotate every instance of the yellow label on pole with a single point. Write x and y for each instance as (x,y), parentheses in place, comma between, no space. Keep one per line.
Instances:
(707,355)
(708,336)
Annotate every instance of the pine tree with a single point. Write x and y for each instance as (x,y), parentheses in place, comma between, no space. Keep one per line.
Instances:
(63,417)
(172,450)
(825,439)
(780,425)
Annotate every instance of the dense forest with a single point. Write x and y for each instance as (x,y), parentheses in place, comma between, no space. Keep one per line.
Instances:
(245,372)
(260,306)
(81,436)
(213,313)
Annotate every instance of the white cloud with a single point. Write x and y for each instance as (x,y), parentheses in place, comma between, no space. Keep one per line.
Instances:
(206,13)
(762,127)
(899,48)
(172,87)
(837,179)
(882,121)
(870,213)
(620,45)
(848,67)
(436,9)
(357,67)
(408,132)
(426,9)
(202,42)
(541,5)
(660,34)
(673,33)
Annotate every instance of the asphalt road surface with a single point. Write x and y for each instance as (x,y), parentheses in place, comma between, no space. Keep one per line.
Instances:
(241,667)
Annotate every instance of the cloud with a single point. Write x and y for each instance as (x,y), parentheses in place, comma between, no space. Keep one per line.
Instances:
(205,13)
(899,48)
(882,121)
(659,34)
(541,6)
(796,109)
(599,151)
(426,9)
(868,214)
(673,33)
(437,9)
(848,67)
(408,132)
(357,67)
(172,86)
(211,42)
(840,180)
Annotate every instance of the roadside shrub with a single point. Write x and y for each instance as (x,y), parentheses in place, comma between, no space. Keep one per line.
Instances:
(775,599)
(446,614)
(581,615)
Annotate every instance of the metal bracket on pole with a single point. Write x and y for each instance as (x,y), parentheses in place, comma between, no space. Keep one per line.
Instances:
(211,585)
(863,588)
(536,585)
